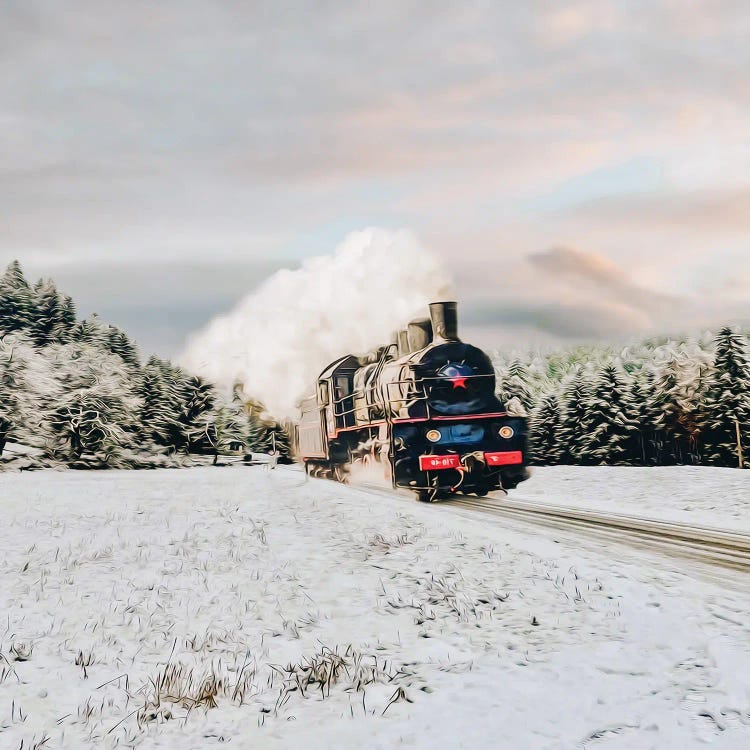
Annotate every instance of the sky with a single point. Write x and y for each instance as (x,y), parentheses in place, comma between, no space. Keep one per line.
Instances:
(582,169)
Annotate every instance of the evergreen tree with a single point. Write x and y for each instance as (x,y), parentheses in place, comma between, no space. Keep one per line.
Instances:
(640,419)
(89,331)
(279,441)
(224,430)
(199,398)
(575,424)
(514,383)
(269,437)
(67,319)
(545,429)
(727,405)
(173,422)
(11,385)
(607,441)
(154,412)
(677,410)
(119,343)
(95,411)
(15,300)
(47,313)
(256,434)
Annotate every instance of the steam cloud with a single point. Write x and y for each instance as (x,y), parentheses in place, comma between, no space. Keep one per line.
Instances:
(279,338)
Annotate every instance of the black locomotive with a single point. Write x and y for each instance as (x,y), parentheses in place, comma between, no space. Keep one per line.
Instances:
(422,409)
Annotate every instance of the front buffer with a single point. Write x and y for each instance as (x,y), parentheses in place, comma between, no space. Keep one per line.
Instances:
(440,457)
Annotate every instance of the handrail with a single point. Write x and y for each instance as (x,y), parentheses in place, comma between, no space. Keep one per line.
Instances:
(361,393)
(387,399)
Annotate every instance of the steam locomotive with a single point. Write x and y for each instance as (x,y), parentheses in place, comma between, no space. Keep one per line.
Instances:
(422,410)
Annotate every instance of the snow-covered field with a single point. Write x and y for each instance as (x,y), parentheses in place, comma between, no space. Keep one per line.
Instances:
(698,495)
(248,608)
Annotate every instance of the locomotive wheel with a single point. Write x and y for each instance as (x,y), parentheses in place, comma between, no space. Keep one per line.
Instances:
(424,496)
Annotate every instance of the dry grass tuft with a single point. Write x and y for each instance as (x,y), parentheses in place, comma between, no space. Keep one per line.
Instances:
(351,669)
(34,743)
(178,684)
(84,659)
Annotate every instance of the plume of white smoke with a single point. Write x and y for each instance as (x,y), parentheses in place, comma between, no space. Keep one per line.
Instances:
(279,338)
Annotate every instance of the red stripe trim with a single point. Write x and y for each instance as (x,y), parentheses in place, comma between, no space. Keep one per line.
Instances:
(457,418)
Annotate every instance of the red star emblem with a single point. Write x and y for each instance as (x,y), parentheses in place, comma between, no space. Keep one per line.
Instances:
(459,383)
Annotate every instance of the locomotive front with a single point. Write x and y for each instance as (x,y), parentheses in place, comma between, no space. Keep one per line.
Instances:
(457,436)
(424,409)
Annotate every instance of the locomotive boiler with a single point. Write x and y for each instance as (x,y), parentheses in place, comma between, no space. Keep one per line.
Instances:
(422,410)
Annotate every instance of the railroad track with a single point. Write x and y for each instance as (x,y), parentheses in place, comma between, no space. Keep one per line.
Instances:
(711,545)
(718,546)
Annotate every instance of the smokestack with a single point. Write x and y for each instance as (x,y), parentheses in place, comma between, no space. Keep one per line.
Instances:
(403,343)
(444,316)
(419,333)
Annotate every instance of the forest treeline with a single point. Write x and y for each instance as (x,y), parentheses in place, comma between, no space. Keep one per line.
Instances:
(77,391)
(660,402)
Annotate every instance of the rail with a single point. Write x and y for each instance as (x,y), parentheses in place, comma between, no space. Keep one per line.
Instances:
(718,546)
(715,546)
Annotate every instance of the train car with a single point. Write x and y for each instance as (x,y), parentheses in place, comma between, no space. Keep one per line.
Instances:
(421,409)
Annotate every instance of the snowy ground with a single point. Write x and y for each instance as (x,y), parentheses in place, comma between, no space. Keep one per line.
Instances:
(697,495)
(245,608)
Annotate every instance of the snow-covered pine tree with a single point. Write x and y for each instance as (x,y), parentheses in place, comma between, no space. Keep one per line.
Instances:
(607,439)
(118,343)
(11,386)
(224,429)
(256,435)
(89,331)
(278,441)
(171,424)
(199,398)
(640,419)
(544,430)
(514,383)
(15,300)
(155,407)
(96,409)
(68,319)
(727,404)
(46,314)
(575,423)
(677,407)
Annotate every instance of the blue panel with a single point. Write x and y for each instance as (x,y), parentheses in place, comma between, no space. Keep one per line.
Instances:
(461,433)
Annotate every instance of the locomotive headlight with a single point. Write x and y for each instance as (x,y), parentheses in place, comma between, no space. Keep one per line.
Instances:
(433,435)
(506,432)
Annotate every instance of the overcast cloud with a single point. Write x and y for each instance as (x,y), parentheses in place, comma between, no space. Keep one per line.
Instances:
(143,140)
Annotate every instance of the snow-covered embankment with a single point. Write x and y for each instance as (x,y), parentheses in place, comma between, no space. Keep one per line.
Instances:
(193,608)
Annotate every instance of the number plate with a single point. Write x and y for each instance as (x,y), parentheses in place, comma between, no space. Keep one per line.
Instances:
(438,463)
